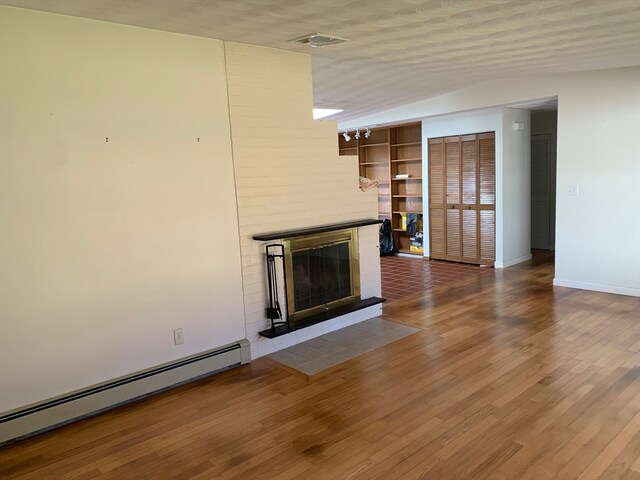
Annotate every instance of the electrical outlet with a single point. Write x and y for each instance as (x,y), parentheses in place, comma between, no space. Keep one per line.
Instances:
(178,336)
(573,190)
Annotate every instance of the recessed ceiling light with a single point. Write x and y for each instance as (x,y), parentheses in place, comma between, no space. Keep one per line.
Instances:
(319,113)
(317,40)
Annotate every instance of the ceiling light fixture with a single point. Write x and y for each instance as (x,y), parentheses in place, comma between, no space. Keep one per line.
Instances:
(346,136)
(357,135)
(317,40)
(367,133)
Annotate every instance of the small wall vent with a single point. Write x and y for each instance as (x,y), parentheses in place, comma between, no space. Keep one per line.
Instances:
(317,40)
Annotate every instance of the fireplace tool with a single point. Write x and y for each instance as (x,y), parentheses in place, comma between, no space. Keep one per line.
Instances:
(274,312)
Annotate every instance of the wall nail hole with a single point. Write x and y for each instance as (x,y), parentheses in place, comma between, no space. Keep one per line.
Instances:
(107,139)
(198,139)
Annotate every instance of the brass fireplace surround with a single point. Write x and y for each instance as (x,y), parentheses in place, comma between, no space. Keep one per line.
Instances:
(319,240)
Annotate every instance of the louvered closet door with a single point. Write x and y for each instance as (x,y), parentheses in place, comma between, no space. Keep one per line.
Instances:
(453,191)
(469,204)
(462,198)
(487,197)
(436,199)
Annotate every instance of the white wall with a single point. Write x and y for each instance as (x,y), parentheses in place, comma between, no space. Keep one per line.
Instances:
(105,248)
(516,187)
(512,154)
(108,246)
(598,232)
(289,175)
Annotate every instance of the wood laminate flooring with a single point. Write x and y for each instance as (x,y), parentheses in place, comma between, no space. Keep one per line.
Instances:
(509,378)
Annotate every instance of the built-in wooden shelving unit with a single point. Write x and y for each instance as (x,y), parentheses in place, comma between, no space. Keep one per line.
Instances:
(391,151)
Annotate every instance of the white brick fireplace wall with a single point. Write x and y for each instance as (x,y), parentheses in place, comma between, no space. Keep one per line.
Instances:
(289,175)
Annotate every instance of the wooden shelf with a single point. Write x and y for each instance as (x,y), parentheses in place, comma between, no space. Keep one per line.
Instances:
(377,161)
(409,252)
(374,145)
(400,160)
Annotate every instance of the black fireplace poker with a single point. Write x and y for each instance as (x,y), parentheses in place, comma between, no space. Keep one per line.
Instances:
(274,312)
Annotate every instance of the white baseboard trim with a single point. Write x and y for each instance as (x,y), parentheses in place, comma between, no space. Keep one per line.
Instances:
(265,346)
(597,287)
(54,412)
(513,261)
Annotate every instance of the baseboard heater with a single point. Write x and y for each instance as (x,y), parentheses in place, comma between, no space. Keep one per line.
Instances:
(67,408)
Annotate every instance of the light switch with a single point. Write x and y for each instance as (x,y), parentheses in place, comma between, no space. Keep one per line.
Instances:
(573,190)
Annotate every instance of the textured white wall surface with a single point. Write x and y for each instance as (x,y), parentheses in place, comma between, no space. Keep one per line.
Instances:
(107,247)
(516,187)
(123,215)
(288,175)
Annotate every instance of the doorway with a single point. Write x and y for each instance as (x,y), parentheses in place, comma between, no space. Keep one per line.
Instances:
(543,178)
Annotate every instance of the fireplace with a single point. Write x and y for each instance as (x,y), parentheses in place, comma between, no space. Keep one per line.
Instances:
(322,273)
(318,270)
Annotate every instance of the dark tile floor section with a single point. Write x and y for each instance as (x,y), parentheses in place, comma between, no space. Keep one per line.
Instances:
(331,349)
(403,277)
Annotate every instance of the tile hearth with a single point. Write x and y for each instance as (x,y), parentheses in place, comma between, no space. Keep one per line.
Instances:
(331,349)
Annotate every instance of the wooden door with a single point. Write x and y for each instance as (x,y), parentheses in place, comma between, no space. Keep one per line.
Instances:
(487,197)
(540,192)
(437,204)
(462,198)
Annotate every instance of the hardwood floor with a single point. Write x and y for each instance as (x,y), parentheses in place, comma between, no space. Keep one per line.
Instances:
(509,379)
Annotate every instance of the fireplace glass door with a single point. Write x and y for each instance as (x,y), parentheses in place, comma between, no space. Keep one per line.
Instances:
(321,273)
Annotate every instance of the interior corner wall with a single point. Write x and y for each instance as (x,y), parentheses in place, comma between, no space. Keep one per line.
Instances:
(598,231)
(289,175)
(117,203)
(516,187)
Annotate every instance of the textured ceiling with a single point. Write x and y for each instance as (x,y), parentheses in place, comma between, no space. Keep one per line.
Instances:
(550,103)
(401,50)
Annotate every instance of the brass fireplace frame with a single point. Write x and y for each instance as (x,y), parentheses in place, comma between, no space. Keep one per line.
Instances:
(320,240)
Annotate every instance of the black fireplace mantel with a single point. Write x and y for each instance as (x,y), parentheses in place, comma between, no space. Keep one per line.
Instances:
(298,232)
(278,331)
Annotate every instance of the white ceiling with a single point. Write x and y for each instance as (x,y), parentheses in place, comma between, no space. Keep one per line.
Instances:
(550,103)
(402,50)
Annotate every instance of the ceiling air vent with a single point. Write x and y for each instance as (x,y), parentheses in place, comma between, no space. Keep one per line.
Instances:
(317,40)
